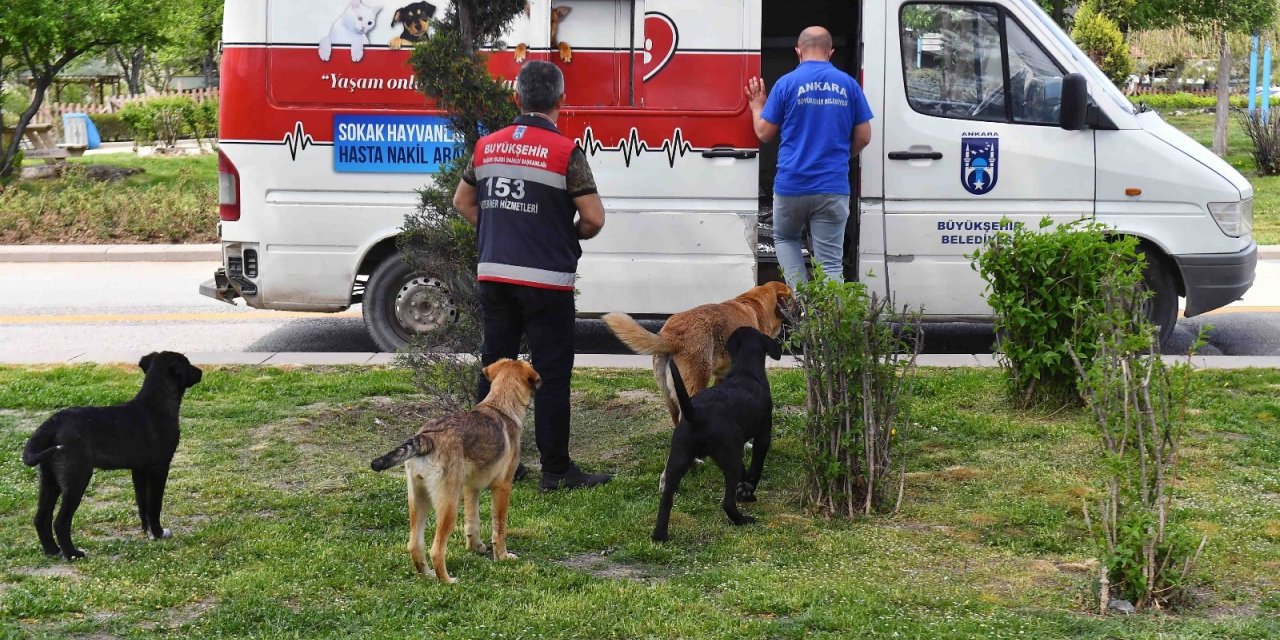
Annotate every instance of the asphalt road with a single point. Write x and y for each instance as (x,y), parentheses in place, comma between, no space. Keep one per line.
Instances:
(54,308)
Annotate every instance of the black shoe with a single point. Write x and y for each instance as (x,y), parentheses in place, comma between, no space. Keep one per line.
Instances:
(522,472)
(572,478)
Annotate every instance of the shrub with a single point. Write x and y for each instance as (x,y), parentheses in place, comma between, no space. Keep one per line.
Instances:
(1184,100)
(1138,402)
(1101,39)
(859,364)
(204,120)
(111,127)
(1265,135)
(160,121)
(1046,288)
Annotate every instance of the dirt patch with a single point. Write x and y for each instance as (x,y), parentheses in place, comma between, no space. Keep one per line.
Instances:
(608,569)
(60,571)
(191,612)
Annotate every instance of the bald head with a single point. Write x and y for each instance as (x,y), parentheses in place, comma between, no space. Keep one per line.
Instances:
(815,39)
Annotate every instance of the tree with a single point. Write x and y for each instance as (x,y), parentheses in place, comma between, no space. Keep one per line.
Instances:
(42,36)
(1101,39)
(454,75)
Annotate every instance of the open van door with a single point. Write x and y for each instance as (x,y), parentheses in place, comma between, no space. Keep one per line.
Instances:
(972,134)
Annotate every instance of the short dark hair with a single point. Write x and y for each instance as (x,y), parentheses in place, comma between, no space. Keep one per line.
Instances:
(539,85)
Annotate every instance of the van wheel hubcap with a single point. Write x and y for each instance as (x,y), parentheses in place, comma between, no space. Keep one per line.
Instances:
(423,304)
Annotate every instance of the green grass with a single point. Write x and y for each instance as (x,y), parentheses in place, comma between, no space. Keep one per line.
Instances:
(174,200)
(1266,189)
(282,531)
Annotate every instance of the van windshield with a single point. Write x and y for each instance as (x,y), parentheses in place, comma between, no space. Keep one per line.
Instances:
(1096,77)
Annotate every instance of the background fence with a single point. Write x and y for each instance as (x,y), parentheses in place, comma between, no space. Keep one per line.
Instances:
(51,112)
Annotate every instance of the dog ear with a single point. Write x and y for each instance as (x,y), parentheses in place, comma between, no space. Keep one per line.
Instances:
(431,10)
(492,370)
(772,347)
(535,380)
(395,17)
(145,362)
(561,12)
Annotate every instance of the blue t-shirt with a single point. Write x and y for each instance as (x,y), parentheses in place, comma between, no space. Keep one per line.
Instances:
(816,107)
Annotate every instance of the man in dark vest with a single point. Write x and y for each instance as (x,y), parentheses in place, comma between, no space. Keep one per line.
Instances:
(521,190)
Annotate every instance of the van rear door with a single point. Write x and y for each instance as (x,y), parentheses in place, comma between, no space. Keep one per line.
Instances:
(972,136)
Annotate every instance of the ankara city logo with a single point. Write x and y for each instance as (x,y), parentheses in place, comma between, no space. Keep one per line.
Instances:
(978,166)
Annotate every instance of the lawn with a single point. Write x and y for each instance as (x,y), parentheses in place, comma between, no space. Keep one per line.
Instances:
(281,529)
(174,200)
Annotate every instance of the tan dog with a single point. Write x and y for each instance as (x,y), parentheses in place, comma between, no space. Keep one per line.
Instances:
(464,453)
(696,338)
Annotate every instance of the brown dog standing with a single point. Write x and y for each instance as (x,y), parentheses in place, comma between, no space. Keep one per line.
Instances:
(464,453)
(696,338)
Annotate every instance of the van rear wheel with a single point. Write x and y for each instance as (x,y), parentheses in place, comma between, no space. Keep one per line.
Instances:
(400,302)
(1162,307)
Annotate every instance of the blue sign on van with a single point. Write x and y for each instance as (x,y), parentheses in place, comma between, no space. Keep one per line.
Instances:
(365,143)
(978,169)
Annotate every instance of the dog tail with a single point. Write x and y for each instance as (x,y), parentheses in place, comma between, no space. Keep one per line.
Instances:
(418,445)
(38,447)
(682,395)
(636,337)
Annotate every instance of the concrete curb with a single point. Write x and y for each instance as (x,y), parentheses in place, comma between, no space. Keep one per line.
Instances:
(581,361)
(111,253)
(202,252)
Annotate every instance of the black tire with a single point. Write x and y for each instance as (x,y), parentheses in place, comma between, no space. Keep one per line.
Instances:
(1162,307)
(399,302)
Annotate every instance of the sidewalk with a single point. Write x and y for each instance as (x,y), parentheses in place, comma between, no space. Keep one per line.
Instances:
(581,361)
(202,252)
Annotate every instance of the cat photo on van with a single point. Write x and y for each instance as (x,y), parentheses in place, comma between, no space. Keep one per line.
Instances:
(351,28)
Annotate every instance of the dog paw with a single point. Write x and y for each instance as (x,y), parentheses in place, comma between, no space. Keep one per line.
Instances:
(746,492)
(507,556)
(449,580)
(522,51)
(73,554)
(745,520)
(478,547)
(164,535)
(566,52)
(660,537)
(52,551)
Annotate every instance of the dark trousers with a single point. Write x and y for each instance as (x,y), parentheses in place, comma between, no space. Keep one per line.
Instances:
(547,317)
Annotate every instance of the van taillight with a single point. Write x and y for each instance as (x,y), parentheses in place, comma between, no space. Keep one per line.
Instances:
(228,189)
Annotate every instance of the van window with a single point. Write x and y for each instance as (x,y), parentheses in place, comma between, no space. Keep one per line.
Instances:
(955,65)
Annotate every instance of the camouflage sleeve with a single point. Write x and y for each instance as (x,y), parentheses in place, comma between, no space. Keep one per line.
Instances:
(579,180)
(469,174)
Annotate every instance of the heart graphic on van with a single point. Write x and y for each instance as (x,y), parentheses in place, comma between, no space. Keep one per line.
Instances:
(660,40)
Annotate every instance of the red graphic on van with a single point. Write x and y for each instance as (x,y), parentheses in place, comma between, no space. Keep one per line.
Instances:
(661,37)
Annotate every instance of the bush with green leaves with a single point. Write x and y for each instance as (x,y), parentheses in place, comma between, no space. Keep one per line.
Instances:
(1139,403)
(1100,38)
(163,121)
(859,359)
(1185,100)
(111,127)
(1046,288)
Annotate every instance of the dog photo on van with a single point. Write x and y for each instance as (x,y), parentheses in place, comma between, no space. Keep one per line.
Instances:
(351,28)
(415,19)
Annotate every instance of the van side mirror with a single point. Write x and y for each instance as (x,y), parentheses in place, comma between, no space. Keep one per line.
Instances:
(1075,101)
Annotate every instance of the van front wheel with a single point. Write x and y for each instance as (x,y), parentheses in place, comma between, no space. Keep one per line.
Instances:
(400,302)
(1162,306)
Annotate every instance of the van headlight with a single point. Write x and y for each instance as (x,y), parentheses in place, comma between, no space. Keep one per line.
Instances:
(1234,218)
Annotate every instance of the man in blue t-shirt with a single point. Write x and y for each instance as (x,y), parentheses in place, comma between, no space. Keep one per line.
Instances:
(824,119)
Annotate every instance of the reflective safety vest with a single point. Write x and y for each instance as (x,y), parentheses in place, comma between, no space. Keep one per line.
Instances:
(526,231)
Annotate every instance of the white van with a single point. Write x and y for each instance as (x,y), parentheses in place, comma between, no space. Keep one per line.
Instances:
(984,110)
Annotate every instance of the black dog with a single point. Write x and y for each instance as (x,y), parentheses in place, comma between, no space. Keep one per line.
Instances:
(718,422)
(416,19)
(140,435)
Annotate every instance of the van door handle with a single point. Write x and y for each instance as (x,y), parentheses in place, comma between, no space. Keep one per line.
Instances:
(726,152)
(915,155)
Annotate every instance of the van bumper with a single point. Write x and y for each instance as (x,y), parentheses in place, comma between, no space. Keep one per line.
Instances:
(1215,280)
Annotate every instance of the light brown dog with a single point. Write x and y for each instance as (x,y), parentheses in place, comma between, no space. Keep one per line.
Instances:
(696,338)
(464,453)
